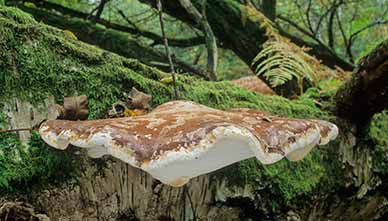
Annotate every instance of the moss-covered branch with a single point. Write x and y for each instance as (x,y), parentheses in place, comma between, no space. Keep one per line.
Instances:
(366,93)
(116,41)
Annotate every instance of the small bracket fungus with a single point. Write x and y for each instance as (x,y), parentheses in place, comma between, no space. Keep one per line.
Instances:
(180,140)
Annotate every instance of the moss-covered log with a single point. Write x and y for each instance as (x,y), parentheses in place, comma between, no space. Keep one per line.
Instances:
(113,37)
(38,61)
(366,93)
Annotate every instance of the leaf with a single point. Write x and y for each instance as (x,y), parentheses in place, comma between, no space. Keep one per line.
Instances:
(278,63)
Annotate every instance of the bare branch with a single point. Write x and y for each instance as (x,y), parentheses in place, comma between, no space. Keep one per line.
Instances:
(211,43)
(343,34)
(159,6)
(310,26)
(330,31)
(353,36)
(379,22)
(296,26)
(99,9)
(269,9)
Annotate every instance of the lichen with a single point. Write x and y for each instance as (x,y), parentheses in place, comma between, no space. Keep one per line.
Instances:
(38,60)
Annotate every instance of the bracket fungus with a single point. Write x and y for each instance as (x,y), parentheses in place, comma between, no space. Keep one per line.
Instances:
(180,140)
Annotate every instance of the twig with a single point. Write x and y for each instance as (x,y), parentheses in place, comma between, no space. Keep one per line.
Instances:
(121,13)
(211,43)
(354,35)
(16,130)
(98,9)
(159,6)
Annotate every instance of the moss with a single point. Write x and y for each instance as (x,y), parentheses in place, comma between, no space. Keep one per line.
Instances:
(378,134)
(22,166)
(16,16)
(37,60)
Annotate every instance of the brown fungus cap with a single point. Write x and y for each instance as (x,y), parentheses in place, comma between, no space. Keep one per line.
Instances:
(180,140)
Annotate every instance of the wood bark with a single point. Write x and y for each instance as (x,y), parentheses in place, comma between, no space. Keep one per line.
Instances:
(366,93)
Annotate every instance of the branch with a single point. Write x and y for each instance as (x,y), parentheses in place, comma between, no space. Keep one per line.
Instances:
(16,130)
(354,35)
(345,39)
(99,9)
(211,43)
(297,27)
(366,92)
(159,5)
(269,9)
(308,17)
(188,42)
(332,8)
(330,32)
(244,39)
(319,50)
(131,30)
(90,33)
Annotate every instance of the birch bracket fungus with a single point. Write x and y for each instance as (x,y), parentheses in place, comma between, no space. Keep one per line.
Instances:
(180,140)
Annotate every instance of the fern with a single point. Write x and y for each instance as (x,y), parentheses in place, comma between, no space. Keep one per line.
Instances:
(279,63)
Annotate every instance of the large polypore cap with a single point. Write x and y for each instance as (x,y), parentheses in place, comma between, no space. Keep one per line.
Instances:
(180,140)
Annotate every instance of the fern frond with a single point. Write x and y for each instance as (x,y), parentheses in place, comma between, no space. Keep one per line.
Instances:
(279,63)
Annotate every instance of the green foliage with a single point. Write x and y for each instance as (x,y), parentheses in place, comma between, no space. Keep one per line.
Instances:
(25,167)
(278,63)
(378,133)
(288,179)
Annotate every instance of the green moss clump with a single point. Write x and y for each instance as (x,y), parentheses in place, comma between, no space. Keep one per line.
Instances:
(16,15)
(38,60)
(378,134)
(23,168)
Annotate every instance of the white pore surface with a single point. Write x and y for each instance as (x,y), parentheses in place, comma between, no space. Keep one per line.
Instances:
(225,151)
(222,147)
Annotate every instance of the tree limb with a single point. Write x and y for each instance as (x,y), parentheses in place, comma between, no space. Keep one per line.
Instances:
(158,40)
(354,35)
(92,34)
(319,50)
(172,69)
(131,30)
(269,9)
(345,39)
(366,92)
(330,31)
(99,9)
(211,43)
